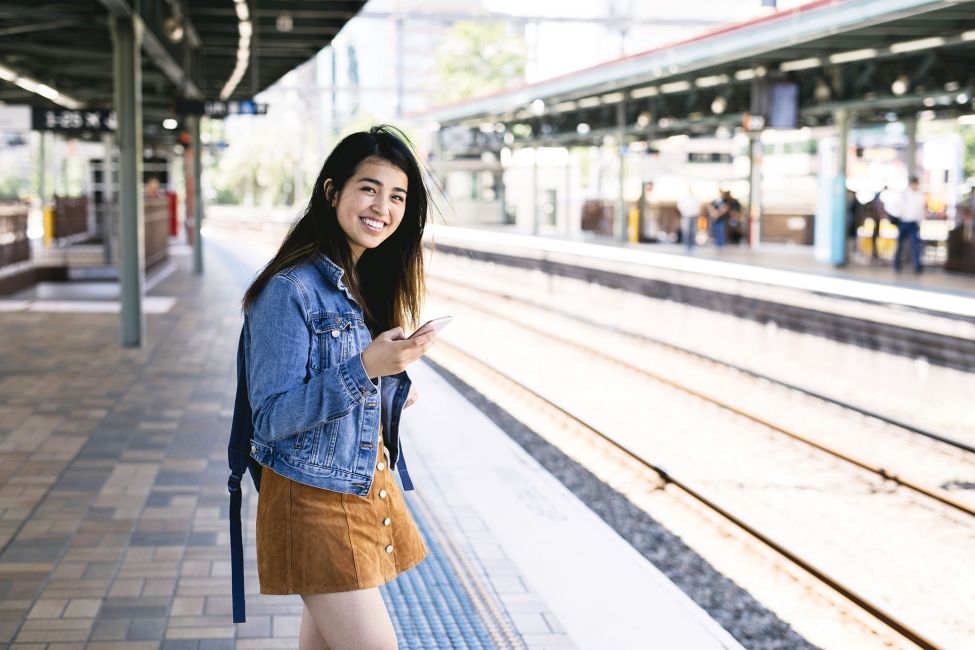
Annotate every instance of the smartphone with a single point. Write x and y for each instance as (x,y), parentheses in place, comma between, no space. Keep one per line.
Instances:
(437,324)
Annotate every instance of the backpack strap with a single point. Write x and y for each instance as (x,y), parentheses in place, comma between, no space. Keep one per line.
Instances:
(239,459)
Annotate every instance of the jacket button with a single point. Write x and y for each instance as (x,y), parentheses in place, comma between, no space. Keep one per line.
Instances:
(381,466)
(335,333)
(382,494)
(389,549)
(253,449)
(387,521)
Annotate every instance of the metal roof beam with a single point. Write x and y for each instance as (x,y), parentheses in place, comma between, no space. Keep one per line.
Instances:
(157,52)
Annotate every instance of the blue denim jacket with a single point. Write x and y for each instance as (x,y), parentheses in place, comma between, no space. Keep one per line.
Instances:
(316,413)
(304,401)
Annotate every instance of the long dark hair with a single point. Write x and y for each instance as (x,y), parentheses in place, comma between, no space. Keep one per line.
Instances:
(388,280)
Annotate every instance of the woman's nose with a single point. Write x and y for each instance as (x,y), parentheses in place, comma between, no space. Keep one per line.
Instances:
(380,205)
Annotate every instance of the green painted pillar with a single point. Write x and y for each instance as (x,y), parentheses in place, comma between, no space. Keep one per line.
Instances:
(839,204)
(194,124)
(127,38)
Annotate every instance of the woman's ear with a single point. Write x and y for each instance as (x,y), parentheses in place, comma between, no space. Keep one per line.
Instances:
(330,191)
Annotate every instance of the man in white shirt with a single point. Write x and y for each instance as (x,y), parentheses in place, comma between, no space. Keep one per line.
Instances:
(913,210)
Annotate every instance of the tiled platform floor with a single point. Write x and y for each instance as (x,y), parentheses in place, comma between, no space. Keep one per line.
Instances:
(113,495)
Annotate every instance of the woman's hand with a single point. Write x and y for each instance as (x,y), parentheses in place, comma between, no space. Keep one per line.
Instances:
(390,352)
(411,398)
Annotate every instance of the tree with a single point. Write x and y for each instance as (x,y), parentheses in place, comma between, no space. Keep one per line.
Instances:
(478,59)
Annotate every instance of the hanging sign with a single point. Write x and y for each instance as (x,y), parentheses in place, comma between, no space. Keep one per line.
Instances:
(63,119)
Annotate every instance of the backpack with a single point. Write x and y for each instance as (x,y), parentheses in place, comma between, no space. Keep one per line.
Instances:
(239,457)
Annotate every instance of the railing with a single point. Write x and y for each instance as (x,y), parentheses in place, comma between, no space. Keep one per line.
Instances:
(70,216)
(14,246)
(156,235)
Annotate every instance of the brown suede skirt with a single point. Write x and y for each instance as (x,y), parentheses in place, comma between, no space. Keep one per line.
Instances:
(314,541)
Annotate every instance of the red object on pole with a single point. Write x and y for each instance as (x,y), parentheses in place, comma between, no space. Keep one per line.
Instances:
(173,219)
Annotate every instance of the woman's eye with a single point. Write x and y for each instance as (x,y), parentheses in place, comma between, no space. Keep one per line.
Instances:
(398,197)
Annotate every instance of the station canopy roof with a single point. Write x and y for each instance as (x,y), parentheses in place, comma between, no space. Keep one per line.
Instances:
(879,59)
(189,47)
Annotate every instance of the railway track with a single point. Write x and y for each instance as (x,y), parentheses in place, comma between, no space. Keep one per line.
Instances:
(886,473)
(667,477)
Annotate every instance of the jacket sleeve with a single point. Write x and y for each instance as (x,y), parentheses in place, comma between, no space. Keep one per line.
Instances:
(285,401)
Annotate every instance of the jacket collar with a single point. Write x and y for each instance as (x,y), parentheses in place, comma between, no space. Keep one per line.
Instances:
(333,273)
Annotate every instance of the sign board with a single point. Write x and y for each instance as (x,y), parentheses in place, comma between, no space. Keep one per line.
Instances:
(15,118)
(220,109)
(63,119)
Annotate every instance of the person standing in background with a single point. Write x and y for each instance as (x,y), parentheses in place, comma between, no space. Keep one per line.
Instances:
(913,210)
(689,207)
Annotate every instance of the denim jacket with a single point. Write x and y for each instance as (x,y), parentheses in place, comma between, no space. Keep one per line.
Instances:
(304,402)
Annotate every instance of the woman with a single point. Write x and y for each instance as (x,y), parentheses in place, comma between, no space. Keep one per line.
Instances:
(325,350)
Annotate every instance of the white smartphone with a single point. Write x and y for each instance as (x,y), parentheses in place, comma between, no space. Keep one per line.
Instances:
(437,324)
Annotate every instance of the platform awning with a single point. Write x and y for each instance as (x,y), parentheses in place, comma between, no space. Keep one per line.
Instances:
(67,46)
(840,53)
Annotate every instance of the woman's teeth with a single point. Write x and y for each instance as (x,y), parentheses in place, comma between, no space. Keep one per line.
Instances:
(372,224)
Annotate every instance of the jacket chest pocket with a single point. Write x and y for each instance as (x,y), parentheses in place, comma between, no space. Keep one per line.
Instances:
(334,339)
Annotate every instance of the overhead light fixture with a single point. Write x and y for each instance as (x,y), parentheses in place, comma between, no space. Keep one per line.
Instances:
(284,22)
(588,102)
(853,55)
(646,91)
(563,107)
(801,64)
(612,98)
(900,85)
(643,119)
(169,123)
(713,80)
(719,105)
(538,107)
(675,87)
(968,36)
(745,75)
(582,128)
(962,98)
(246,29)
(919,44)
(173,29)
(39,88)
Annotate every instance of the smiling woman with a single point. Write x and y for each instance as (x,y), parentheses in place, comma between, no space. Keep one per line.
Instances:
(321,387)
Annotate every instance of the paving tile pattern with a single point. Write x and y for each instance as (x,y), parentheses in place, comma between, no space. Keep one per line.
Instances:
(113,499)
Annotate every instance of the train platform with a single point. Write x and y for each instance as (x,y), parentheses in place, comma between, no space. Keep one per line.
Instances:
(930,316)
(113,501)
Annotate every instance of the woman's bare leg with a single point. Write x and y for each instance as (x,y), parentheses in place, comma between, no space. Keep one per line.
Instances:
(352,620)
(309,638)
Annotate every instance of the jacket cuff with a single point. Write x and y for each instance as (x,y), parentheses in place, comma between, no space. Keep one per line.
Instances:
(356,379)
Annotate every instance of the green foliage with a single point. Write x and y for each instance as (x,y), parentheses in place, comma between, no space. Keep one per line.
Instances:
(478,59)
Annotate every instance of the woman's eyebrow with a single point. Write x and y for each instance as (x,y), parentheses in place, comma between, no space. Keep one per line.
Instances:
(367,179)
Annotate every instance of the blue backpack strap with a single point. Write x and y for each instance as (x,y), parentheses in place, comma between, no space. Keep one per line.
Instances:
(238,456)
(404,475)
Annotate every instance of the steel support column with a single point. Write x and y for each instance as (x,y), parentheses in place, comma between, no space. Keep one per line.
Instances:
(838,224)
(623,234)
(126,38)
(910,152)
(194,125)
(754,188)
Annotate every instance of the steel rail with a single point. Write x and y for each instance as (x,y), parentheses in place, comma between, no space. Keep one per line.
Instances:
(932,493)
(665,475)
(940,437)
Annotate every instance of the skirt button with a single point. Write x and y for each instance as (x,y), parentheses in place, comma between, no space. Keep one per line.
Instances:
(387,521)
(382,494)
(389,549)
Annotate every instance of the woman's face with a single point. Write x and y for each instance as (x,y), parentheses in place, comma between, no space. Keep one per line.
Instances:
(371,205)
